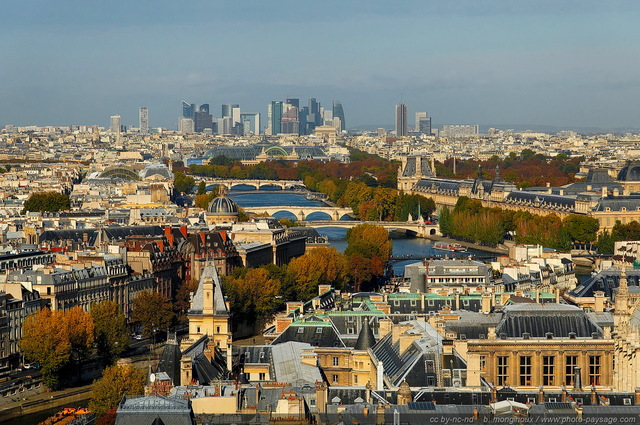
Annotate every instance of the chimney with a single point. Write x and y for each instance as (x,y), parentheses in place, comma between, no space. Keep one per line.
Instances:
(491,332)
(604,191)
(564,394)
(295,305)
(398,330)
(384,326)
(637,391)
(577,382)
(616,192)
(540,395)
(380,377)
(594,396)
(486,302)
(600,300)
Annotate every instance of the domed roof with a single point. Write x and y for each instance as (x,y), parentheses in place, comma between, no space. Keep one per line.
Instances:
(223,205)
(158,169)
(630,173)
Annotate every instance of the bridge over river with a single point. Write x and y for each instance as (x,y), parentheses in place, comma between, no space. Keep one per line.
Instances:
(258,184)
(408,228)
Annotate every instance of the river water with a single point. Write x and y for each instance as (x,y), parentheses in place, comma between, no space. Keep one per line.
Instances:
(402,246)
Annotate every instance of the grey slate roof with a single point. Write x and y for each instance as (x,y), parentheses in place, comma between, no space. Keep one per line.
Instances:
(316,333)
(146,410)
(170,362)
(219,306)
(366,339)
(288,367)
(121,232)
(542,199)
(539,319)
(607,282)
(617,203)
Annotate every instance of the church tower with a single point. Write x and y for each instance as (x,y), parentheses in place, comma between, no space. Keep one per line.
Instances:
(209,316)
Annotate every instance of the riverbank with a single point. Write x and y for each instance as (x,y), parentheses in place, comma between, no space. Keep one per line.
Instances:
(497,250)
(46,401)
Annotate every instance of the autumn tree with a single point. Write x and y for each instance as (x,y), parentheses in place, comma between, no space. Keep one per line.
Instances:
(153,311)
(110,330)
(45,340)
(320,266)
(80,333)
(116,381)
(203,200)
(252,294)
(368,250)
(183,297)
(369,240)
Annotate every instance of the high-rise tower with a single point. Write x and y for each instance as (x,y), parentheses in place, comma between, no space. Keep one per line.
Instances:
(275,117)
(401,119)
(423,123)
(143,118)
(115,124)
(338,112)
(188,109)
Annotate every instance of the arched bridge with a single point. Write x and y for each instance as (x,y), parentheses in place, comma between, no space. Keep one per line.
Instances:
(258,184)
(336,213)
(409,228)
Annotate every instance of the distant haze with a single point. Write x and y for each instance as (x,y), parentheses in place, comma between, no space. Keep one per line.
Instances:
(564,64)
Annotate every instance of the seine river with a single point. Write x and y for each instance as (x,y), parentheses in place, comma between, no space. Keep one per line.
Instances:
(247,198)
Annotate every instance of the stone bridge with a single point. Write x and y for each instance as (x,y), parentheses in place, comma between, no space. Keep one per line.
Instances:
(336,213)
(409,228)
(258,184)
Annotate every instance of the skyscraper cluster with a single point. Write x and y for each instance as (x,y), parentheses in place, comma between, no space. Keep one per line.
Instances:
(289,117)
(198,119)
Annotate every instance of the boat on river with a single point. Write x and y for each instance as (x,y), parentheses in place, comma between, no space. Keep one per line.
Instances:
(451,247)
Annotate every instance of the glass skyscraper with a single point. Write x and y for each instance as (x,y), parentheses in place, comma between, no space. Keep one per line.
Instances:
(338,112)
(188,109)
(276,117)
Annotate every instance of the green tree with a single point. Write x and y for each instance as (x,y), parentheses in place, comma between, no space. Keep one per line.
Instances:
(605,243)
(153,311)
(110,330)
(444,221)
(202,188)
(581,228)
(47,201)
(183,183)
(45,340)
(116,381)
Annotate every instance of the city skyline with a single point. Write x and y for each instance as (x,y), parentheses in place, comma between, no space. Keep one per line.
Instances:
(568,64)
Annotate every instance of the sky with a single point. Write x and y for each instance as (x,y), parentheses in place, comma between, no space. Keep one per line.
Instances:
(564,63)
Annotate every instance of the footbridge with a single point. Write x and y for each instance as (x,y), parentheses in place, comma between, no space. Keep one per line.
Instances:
(336,213)
(409,228)
(258,184)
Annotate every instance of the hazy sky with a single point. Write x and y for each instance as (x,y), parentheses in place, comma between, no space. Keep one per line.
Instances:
(552,62)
